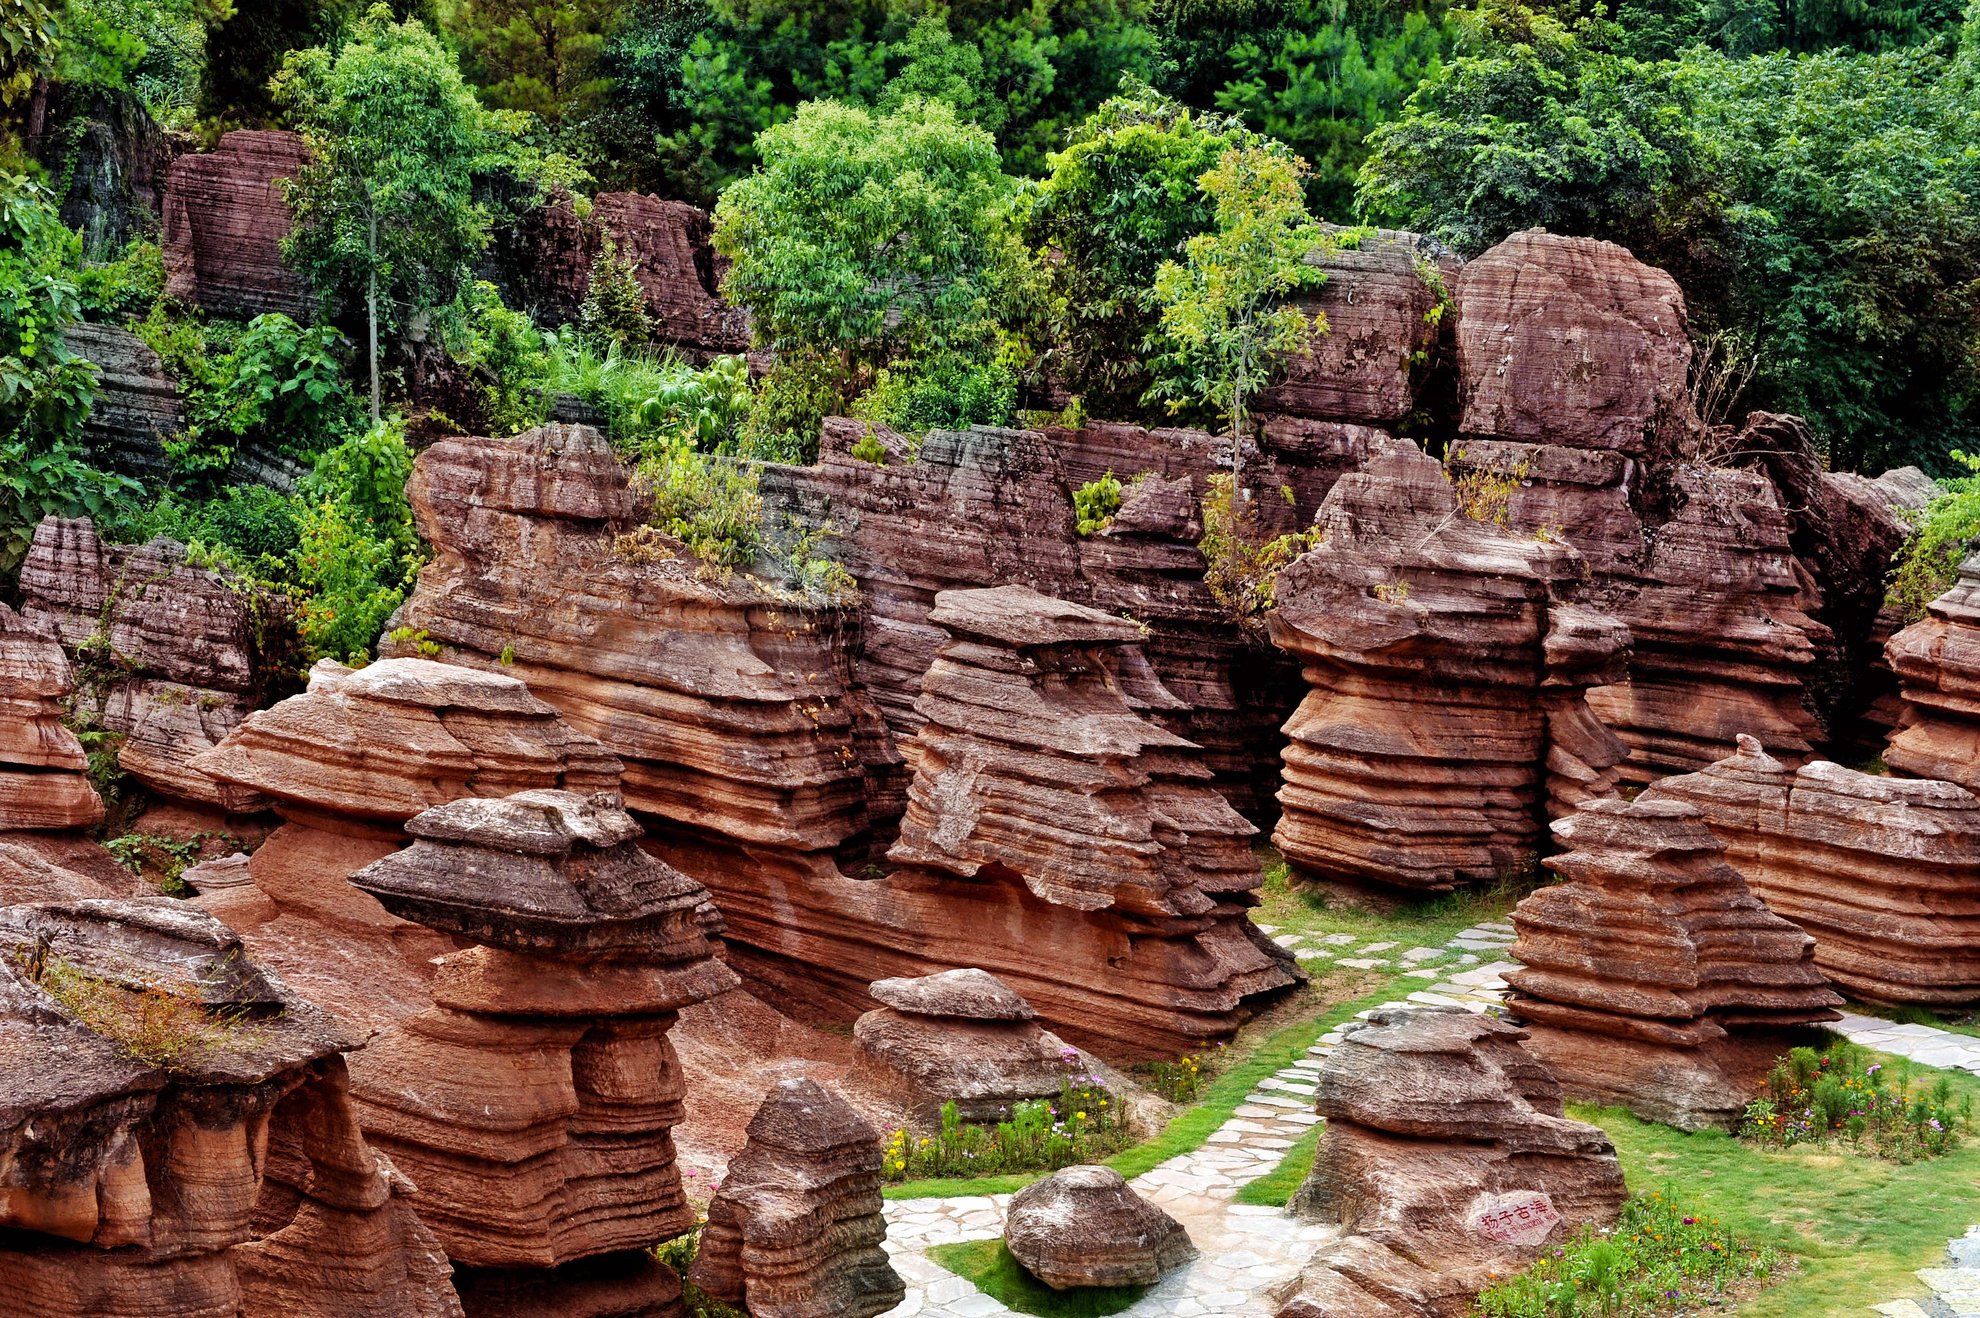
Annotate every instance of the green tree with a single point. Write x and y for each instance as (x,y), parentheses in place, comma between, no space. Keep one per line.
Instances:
(1120,200)
(1226,324)
(536,55)
(863,238)
(385,206)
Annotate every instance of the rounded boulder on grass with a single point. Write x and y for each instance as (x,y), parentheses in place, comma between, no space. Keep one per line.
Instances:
(1083,1226)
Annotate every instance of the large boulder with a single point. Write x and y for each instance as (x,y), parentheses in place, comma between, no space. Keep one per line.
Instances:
(1448,660)
(225,218)
(194,1152)
(137,406)
(796,1228)
(1651,976)
(1884,872)
(532,1102)
(962,1037)
(1083,1226)
(1446,1161)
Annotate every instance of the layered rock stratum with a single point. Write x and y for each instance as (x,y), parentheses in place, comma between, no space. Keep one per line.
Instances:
(225,218)
(44,774)
(1883,872)
(1937,661)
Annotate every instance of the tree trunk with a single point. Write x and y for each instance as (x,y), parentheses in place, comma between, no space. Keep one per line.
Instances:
(371,310)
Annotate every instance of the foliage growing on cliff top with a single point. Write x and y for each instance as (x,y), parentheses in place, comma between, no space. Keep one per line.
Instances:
(1944,533)
(161,1027)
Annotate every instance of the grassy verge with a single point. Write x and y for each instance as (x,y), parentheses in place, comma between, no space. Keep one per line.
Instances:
(990,1267)
(1858,1227)
(1276,1187)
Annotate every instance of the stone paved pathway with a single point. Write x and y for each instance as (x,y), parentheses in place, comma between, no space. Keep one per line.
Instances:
(1955,1287)
(1921,1043)
(1244,1249)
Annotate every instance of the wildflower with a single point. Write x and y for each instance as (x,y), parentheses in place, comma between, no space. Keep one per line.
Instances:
(1082,1117)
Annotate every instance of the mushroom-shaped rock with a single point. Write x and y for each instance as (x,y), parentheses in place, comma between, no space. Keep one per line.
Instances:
(1651,975)
(1448,661)
(176,1132)
(1447,1160)
(1083,1226)
(960,1036)
(533,1102)
(1884,872)
(44,775)
(795,1230)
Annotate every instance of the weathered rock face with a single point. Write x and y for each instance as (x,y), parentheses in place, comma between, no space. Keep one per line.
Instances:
(532,1102)
(1083,1226)
(1937,661)
(795,1230)
(987,507)
(115,166)
(1376,298)
(547,264)
(758,760)
(960,1037)
(190,650)
(224,1179)
(137,408)
(1749,591)
(1637,966)
(44,774)
(345,765)
(225,218)
(1884,872)
(1447,1160)
(1448,660)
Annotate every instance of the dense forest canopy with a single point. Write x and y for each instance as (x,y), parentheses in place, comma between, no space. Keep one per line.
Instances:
(945,215)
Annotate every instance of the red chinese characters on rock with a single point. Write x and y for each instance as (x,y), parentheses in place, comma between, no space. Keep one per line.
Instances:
(1517,1217)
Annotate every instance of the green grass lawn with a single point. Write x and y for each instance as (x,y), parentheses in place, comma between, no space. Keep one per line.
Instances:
(1859,1227)
(1275,1188)
(989,1265)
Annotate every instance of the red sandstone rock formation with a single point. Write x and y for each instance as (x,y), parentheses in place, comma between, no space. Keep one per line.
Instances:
(44,775)
(190,651)
(1749,592)
(1447,1160)
(757,760)
(532,1102)
(1937,661)
(795,1231)
(548,263)
(227,1180)
(1884,872)
(137,405)
(959,1037)
(1637,966)
(1376,300)
(1448,659)
(346,764)
(225,218)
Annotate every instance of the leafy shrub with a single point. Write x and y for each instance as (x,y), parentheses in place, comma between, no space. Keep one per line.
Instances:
(128,286)
(651,400)
(1943,534)
(679,1254)
(358,551)
(870,449)
(1096,502)
(253,520)
(1242,573)
(702,408)
(507,345)
(941,391)
(167,858)
(1182,1080)
(1657,1258)
(709,502)
(1083,1124)
(1484,494)
(40,480)
(614,309)
(1839,1094)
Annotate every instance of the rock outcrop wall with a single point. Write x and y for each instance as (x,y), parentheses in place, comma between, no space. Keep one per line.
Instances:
(1448,661)
(545,266)
(345,765)
(1937,661)
(210,1169)
(137,405)
(1651,976)
(1884,872)
(1447,1161)
(532,1102)
(962,1037)
(225,219)
(183,653)
(795,1230)
(1749,581)
(44,774)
